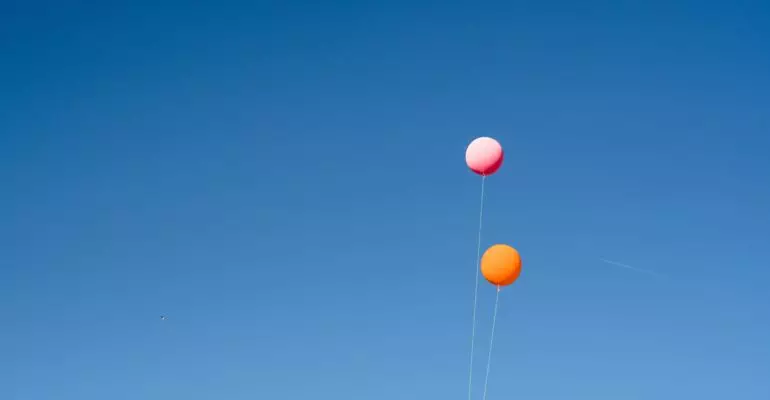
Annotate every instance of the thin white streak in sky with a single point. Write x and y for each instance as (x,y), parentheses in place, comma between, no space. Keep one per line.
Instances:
(644,271)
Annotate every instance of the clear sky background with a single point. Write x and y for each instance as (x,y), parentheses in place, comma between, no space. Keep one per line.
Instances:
(286,182)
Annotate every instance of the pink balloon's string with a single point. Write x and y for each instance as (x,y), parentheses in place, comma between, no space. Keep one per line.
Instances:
(476,289)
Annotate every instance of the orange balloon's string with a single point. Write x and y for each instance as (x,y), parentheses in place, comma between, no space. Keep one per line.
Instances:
(476,289)
(491,341)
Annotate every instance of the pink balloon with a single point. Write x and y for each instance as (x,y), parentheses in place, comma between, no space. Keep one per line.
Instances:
(484,156)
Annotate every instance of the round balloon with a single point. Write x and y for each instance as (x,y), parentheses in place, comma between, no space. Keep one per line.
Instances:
(484,156)
(501,265)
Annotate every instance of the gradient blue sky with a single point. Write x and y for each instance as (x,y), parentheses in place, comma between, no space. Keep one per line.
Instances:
(285,181)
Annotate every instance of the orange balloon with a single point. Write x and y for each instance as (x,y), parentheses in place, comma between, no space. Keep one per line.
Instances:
(501,265)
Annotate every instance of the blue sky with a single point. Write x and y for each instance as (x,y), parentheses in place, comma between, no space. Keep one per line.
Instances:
(285,181)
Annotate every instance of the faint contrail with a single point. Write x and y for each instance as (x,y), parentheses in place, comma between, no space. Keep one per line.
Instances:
(645,271)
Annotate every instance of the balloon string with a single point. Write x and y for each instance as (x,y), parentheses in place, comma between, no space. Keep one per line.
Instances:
(476,289)
(491,341)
